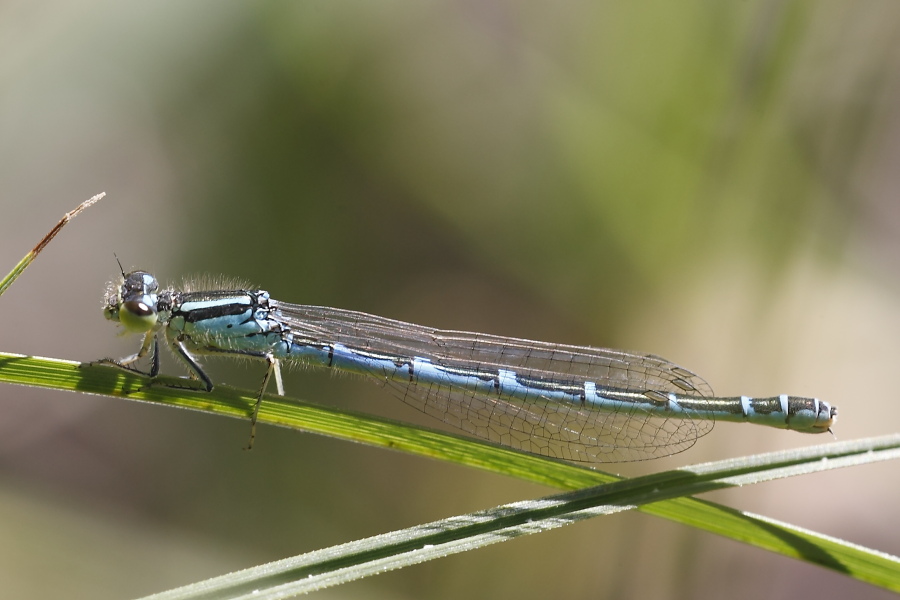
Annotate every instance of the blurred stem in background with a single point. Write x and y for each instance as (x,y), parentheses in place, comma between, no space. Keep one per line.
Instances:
(566,156)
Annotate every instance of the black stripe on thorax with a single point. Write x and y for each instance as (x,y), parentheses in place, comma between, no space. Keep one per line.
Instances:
(211,312)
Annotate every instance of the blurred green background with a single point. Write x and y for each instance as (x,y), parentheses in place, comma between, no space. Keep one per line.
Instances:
(715,183)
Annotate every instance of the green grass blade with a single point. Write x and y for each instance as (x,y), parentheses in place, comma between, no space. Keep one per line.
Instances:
(277,410)
(348,562)
(863,564)
(28,258)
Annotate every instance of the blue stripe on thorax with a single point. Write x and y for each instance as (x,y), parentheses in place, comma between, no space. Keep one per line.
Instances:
(229,322)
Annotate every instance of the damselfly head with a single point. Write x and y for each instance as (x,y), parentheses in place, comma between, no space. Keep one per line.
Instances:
(132,301)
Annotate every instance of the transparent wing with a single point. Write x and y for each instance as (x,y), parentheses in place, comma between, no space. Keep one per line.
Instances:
(540,425)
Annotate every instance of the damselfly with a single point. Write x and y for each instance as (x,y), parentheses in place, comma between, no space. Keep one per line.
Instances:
(572,402)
